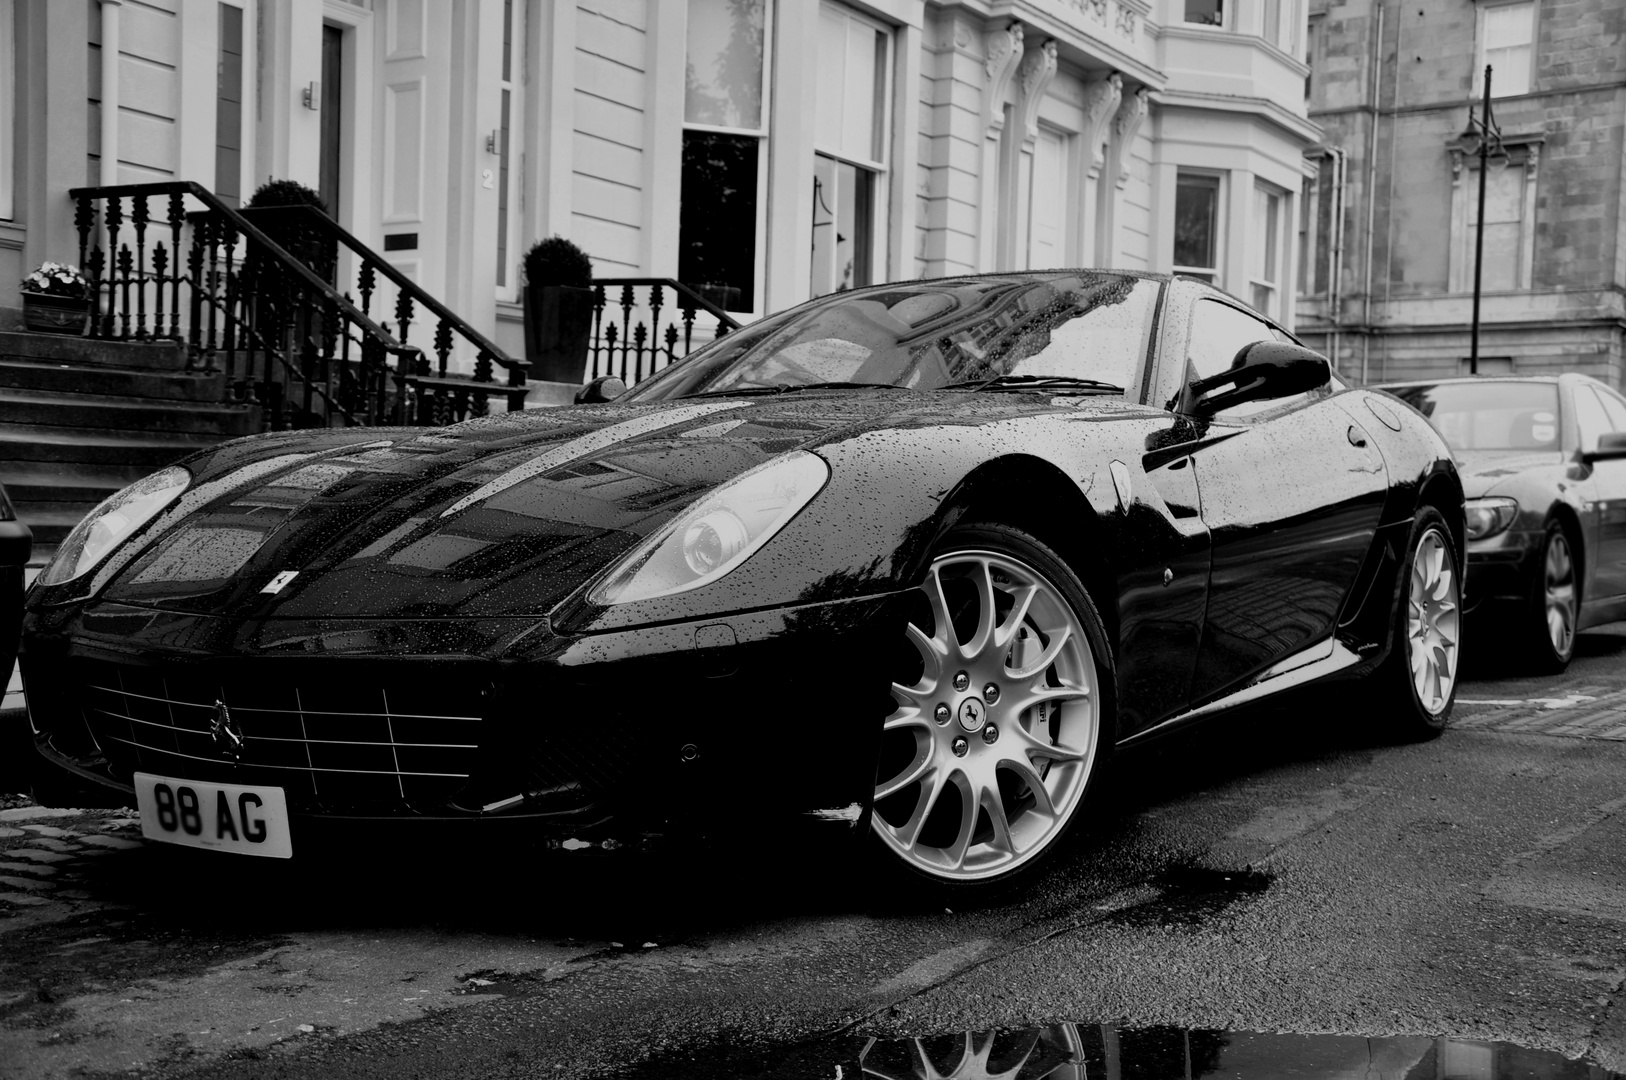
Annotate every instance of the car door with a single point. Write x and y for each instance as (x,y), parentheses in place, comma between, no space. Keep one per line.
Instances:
(1291,492)
(1609,491)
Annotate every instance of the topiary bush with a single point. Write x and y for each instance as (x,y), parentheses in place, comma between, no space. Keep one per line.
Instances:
(556,261)
(285,193)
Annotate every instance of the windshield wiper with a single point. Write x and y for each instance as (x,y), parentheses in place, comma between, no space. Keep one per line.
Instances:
(1037,382)
(790,388)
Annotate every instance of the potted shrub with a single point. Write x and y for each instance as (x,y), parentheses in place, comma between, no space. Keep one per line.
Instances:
(558,310)
(291,231)
(56,299)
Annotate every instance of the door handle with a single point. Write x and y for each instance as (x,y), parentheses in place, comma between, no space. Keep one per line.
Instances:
(1357,437)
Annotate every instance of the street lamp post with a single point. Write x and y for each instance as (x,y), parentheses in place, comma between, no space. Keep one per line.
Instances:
(1481,133)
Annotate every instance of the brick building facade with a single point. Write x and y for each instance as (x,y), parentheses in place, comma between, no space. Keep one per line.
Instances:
(1388,228)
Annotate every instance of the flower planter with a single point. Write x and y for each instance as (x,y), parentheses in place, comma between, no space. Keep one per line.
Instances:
(48,314)
(558,324)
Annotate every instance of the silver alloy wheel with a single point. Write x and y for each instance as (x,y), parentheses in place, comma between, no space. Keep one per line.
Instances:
(1018,1053)
(1432,621)
(1558,583)
(1007,720)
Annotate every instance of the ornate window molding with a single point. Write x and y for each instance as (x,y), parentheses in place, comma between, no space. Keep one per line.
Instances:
(1510,190)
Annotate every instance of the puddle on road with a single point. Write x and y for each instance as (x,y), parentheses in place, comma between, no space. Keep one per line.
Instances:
(1083,1051)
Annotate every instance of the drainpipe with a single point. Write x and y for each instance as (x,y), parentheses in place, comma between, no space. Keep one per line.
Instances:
(1335,284)
(1371,195)
(110,93)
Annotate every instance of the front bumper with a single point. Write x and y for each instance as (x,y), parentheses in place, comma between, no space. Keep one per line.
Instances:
(1501,568)
(714,725)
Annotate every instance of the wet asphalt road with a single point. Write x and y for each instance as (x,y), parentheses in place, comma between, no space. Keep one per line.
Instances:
(1278,872)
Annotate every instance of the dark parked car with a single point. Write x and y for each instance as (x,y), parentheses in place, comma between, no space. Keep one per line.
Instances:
(16,543)
(1543,461)
(912,560)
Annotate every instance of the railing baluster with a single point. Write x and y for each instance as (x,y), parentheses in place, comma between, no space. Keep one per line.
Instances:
(125,264)
(627,302)
(403,313)
(112,217)
(93,272)
(233,295)
(176,219)
(598,330)
(656,298)
(671,343)
(194,266)
(609,345)
(160,262)
(84,217)
(367,281)
(443,344)
(639,333)
(138,218)
(212,278)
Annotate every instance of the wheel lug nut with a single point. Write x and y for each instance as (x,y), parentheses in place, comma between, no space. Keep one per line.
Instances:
(942,714)
(961,680)
(961,746)
(989,734)
(990,693)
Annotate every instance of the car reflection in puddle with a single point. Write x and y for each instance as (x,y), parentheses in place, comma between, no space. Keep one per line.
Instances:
(1078,1051)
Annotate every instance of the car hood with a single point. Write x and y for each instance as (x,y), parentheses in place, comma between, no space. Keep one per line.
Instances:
(1483,471)
(504,516)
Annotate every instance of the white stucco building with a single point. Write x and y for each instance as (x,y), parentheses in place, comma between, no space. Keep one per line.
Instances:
(770,150)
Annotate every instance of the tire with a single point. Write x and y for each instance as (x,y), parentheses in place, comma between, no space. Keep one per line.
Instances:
(1416,685)
(1554,603)
(984,766)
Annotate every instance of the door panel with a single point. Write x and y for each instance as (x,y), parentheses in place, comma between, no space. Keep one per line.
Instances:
(1609,493)
(1292,503)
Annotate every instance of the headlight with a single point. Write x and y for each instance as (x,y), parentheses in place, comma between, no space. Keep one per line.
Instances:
(718,533)
(112,523)
(1487,517)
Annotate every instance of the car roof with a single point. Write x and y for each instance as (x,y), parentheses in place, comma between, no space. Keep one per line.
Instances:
(1560,378)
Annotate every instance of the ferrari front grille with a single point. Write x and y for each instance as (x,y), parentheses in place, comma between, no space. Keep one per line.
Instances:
(331,745)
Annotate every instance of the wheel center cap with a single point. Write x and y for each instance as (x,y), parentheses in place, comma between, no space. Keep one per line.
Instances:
(973,713)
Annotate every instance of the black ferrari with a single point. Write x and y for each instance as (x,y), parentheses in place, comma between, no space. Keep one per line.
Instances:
(911,560)
(1543,462)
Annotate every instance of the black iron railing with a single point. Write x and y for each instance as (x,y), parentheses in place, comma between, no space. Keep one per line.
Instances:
(269,318)
(642,344)
(440,395)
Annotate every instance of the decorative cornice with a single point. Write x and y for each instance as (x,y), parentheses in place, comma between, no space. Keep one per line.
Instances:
(1002,53)
(1126,125)
(1038,68)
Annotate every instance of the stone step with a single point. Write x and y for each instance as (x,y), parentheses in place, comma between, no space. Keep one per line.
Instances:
(65,378)
(95,352)
(74,480)
(105,411)
(51,527)
(36,443)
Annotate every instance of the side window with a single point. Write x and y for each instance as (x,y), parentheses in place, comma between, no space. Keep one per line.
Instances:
(1615,406)
(1589,417)
(1218,333)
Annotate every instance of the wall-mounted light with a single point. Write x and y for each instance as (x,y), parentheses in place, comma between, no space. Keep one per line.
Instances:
(313,97)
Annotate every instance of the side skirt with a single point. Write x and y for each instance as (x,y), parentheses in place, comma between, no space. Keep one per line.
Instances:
(1316,662)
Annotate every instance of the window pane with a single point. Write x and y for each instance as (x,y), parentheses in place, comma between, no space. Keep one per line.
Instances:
(717,218)
(1263,298)
(1088,325)
(1273,21)
(1196,206)
(1209,12)
(1218,333)
(1590,416)
(723,80)
(1489,416)
(852,78)
(843,226)
(1263,261)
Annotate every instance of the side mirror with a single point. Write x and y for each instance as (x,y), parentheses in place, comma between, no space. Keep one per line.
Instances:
(1261,371)
(602,389)
(1611,447)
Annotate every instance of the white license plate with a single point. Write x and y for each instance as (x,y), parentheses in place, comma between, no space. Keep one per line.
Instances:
(220,817)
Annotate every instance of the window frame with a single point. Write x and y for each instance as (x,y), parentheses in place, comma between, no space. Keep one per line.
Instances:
(8,111)
(762,133)
(1270,245)
(880,170)
(1227,14)
(1481,12)
(1524,154)
(1212,275)
(511,92)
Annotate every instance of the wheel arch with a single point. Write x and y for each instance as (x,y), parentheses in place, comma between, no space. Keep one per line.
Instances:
(1031,494)
(1443,491)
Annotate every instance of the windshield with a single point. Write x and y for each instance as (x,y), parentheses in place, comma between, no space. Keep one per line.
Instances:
(1089,326)
(1489,415)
